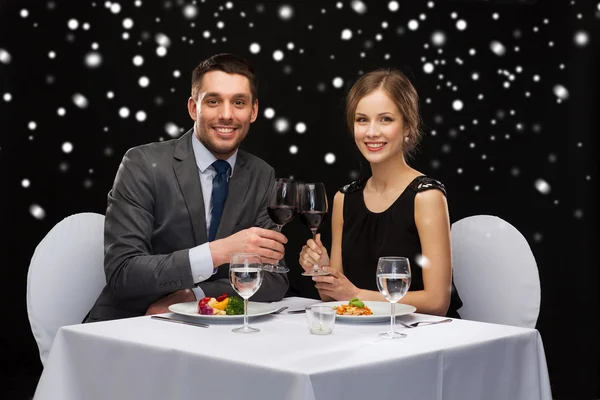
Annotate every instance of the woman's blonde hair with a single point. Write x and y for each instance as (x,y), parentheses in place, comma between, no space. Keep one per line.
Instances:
(400,90)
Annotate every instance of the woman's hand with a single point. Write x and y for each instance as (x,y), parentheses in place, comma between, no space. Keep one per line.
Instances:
(313,252)
(336,285)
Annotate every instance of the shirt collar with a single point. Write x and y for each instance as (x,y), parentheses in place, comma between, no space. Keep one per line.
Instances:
(204,158)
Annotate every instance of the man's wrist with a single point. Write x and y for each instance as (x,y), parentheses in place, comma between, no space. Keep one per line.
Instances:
(217,257)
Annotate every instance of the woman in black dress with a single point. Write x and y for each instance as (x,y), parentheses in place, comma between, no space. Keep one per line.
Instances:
(396,212)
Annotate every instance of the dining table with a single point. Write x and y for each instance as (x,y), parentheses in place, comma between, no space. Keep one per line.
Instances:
(147,358)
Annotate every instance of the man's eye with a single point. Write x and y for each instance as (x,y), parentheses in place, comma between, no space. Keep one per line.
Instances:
(239,103)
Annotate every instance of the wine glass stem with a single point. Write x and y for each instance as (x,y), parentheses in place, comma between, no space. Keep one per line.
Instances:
(278,229)
(314,233)
(246,313)
(392,318)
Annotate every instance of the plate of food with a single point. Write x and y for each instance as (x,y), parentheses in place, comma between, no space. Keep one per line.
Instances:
(356,310)
(221,308)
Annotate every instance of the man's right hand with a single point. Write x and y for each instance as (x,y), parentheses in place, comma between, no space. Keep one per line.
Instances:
(268,244)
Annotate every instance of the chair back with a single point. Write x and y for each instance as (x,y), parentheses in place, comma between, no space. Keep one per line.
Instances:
(65,277)
(495,272)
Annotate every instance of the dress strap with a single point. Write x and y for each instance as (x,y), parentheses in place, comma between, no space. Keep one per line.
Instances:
(354,186)
(423,183)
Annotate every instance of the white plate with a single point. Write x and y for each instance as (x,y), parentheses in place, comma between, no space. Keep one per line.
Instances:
(381,311)
(191,310)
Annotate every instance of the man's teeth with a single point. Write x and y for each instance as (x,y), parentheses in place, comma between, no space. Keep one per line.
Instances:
(224,130)
(375,145)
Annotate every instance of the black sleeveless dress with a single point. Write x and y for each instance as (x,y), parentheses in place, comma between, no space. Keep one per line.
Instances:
(367,236)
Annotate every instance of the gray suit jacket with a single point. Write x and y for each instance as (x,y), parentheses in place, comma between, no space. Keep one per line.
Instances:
(155,214)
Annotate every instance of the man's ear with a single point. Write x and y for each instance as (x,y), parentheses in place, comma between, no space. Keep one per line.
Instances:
(254,111)
(192,108)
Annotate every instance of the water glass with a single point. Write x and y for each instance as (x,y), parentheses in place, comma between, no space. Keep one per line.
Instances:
(245,276)
(321,319)
(393,281)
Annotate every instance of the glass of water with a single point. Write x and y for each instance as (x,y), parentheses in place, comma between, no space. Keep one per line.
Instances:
(393,281)
(245,275)
(321,319)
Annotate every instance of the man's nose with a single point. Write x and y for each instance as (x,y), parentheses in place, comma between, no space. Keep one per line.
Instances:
(225,112)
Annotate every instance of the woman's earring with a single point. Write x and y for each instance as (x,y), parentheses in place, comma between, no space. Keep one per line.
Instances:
(406,139)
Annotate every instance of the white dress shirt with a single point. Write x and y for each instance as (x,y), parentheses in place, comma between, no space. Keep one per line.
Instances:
(200,256)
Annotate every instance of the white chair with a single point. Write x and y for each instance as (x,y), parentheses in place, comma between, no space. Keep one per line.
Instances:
(65,277)
(495,272)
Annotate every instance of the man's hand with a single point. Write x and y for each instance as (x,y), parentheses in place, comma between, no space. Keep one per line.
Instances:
(268,244)
(162,306)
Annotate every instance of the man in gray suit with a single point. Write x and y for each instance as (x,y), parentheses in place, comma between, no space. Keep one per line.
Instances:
(179,209)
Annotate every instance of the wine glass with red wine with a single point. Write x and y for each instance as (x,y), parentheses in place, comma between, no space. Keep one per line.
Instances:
(282,208)
(312,212)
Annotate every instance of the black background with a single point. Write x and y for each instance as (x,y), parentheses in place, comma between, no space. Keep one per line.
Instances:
(490,166)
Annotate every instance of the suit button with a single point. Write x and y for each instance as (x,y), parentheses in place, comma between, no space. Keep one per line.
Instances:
(200,278)
(178,283)
(161,286)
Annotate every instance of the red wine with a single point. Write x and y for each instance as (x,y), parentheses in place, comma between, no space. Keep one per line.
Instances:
(313,219)
(281,215)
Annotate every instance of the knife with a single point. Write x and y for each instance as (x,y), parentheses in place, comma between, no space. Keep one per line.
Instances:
(178,321)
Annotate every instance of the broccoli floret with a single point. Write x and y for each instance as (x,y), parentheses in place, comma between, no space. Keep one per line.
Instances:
(356,303)
(235,306)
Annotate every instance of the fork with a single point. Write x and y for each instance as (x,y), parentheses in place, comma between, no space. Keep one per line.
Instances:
(415,324)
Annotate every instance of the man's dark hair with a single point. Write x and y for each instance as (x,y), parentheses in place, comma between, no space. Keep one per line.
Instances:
(228,63)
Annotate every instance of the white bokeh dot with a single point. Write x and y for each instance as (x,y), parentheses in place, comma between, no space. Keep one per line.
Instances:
(32,125)
(278,55)
(73,24)
(461,25)
(497,48)
(393,6)
(140,116)
(37,211)
(127,23)
(413,24)
(115,8)
(138,60)
(281,125)
(61,112)
(7,97)
(542,186)
(329,158)
(286,12)
(124,112)
(293,149)
(67,147)
(93,59)
(346,34)
(358,6)
(428,68)
(25,183)
(457,105)
(254,48)
(581,38)
(338,82)
(300,127)
(176,73)
(24,13)
(171,129)
(80,100)
(5,56)
(561,92)
(161,51)
(269,113)
(190,11)
(143,81)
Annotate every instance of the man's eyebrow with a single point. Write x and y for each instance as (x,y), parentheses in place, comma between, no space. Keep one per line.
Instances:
(236,96)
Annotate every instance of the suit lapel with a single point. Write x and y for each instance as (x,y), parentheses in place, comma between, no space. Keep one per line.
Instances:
(186,172)
(238,188)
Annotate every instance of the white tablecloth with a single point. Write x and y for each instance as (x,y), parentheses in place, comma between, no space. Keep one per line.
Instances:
(142,358)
